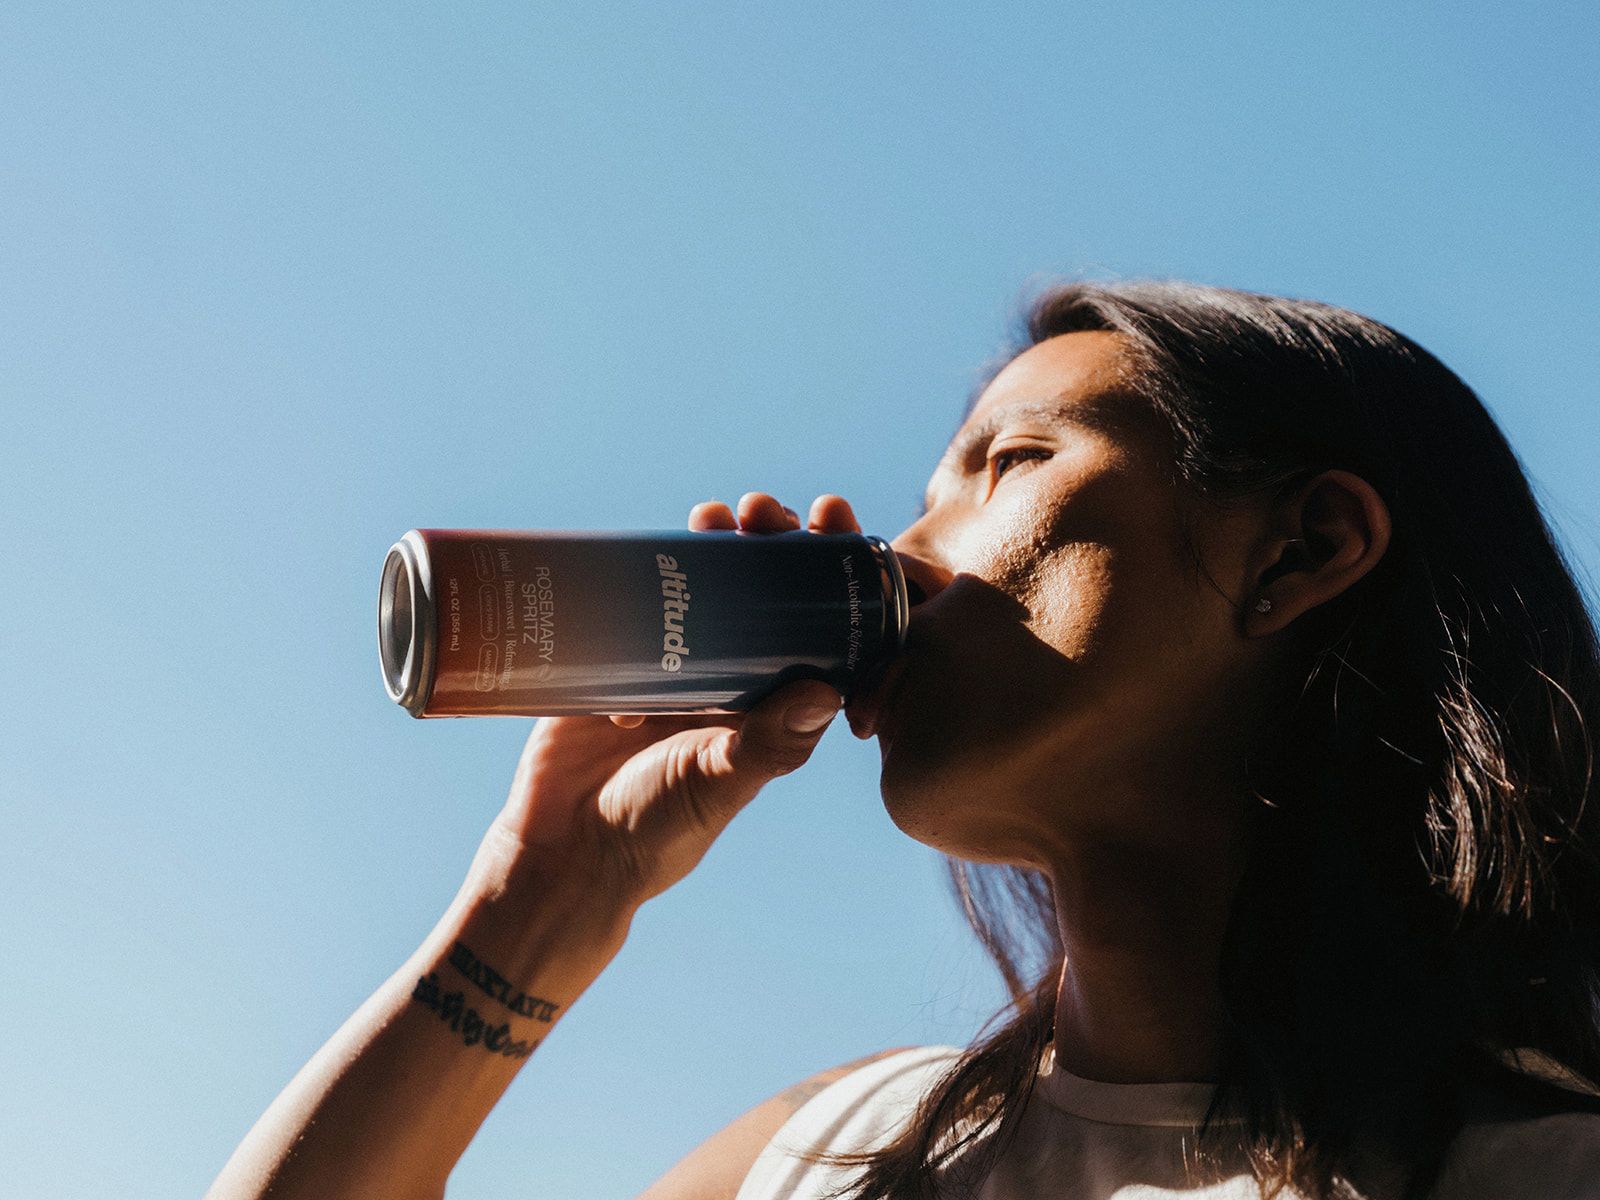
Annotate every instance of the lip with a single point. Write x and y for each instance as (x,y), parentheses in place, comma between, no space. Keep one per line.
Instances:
(866,707)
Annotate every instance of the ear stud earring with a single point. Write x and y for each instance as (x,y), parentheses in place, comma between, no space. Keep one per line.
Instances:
(1265,605)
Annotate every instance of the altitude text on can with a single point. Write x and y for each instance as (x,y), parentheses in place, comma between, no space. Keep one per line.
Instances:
(476,622)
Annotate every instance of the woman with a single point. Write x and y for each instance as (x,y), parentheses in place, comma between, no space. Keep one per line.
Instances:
(1238,615)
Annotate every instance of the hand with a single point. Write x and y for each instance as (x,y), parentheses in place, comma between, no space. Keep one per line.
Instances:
(632,803)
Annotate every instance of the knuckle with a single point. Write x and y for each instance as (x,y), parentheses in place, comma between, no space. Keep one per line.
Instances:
(683,766)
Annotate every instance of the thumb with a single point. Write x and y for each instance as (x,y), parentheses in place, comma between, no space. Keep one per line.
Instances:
(778,735)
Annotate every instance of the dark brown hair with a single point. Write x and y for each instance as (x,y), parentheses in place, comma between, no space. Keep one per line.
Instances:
(1423,890)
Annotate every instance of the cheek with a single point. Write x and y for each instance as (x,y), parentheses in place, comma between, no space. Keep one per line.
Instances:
(1073,596)
(1061,575)
(1009,665)
(1062,645)
(1054,642)
(1093,562)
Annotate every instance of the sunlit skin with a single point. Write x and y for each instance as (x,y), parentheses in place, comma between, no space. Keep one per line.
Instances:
(1076,698)
(1073,698)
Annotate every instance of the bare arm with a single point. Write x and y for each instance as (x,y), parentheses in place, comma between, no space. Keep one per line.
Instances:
(603,815)
(389,1104)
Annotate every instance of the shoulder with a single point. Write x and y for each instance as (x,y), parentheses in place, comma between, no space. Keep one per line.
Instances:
(716,1169)
(1526,1136)
(792,1099)
(858,1112)
(1553,1157)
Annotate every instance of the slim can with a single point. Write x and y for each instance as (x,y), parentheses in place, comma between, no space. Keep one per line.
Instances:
(520,623)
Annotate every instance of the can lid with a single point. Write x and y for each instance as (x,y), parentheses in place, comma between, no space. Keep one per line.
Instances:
(406,630)
(894,592)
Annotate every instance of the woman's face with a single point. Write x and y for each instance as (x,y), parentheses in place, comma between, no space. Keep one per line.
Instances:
(1067,675)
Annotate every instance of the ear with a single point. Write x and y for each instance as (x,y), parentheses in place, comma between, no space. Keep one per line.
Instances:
(1324,537)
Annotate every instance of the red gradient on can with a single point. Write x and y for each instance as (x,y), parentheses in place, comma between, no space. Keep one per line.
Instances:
(546,623)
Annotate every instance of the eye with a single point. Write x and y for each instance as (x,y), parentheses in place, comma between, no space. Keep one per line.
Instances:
(1022,453)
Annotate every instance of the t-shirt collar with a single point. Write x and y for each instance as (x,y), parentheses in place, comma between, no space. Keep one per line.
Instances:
(1174,1104)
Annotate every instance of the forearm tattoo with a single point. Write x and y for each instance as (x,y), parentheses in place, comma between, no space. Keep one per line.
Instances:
(474,1029)
(492,983)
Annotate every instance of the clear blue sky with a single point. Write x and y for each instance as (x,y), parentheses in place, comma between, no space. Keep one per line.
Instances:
(279,282)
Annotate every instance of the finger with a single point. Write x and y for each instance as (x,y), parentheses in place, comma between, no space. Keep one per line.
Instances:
(761,513)
(660,725)
(779,734)
(712,514)
(832,514)
(607,741)
(776,737)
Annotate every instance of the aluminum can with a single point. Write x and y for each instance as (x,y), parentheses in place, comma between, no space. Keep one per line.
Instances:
(520,623)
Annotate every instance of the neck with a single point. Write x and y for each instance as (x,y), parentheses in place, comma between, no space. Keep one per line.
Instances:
(1140,997)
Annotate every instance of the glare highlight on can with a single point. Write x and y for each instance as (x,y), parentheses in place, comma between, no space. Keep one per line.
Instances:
(487,622)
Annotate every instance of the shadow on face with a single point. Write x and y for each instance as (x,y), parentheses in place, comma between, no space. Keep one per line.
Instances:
(1067,671)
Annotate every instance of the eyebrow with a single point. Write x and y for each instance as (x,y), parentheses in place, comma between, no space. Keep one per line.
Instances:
(1055,411)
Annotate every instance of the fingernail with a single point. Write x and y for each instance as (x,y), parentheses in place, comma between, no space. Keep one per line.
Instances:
(808,718)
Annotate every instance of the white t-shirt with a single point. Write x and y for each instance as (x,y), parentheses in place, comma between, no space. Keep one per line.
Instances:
(1083,1140)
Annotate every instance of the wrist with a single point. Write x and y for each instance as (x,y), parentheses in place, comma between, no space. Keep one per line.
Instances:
(539,914)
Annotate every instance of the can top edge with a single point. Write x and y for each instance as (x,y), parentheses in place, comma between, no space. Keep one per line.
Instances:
(890,562)
(415,683)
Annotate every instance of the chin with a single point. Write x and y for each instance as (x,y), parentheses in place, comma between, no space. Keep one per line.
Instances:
(946,782)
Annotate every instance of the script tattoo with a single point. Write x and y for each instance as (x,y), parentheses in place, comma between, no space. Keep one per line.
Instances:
(492,983)
(474,1030)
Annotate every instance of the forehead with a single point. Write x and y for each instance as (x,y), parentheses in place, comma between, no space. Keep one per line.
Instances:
(1074,378)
